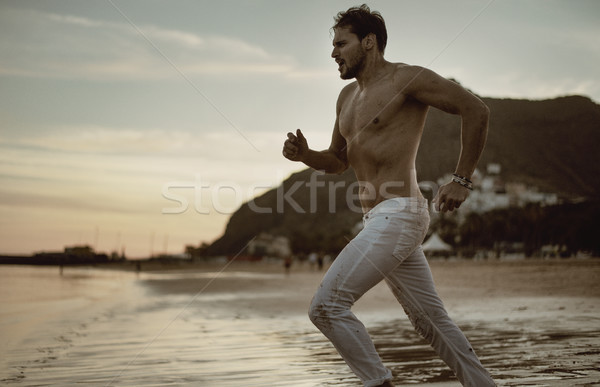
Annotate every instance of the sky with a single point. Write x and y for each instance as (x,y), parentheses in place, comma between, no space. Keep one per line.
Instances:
(141,126)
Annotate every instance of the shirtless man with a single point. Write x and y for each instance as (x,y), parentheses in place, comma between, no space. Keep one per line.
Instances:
(380,119)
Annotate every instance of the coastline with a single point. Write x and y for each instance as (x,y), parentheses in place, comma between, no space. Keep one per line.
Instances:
(531,322)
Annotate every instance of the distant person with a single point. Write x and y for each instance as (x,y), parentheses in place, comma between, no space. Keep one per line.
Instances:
(287,264)
(320,261)
(380,120)
(312,260)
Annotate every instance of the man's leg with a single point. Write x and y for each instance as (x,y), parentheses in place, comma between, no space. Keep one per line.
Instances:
(360,266)
(412,284)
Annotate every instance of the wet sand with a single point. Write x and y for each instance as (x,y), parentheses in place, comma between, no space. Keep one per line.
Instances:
(533,323)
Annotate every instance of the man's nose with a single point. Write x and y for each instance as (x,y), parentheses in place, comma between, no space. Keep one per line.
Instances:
(334,53)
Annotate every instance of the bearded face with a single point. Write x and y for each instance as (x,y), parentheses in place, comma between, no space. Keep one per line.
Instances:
(348,53)
(352,64)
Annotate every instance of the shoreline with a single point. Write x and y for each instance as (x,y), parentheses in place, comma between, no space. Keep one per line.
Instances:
(531,321)
(462,284)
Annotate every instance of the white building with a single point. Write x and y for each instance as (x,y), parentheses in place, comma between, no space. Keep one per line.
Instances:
(269,245)
(491,193)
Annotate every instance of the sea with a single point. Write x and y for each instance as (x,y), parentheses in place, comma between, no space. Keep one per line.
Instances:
(98,327)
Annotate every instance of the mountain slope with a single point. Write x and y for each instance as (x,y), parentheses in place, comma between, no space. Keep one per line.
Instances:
(551,144)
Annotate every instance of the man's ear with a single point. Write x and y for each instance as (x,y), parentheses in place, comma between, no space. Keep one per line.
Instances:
(369,41)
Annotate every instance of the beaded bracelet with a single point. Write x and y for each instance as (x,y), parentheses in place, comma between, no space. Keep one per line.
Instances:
(468,184)
(462,178)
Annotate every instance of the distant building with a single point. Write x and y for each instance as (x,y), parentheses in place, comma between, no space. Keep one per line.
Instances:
(269,245)
(436,246)
(80,251)
(492,192)
(494,169)
(71,255)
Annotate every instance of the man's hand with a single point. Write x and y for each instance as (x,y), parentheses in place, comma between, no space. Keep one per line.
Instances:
(295,147)
(450,196)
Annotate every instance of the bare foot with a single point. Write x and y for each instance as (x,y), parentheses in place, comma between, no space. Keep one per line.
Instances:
(387,383)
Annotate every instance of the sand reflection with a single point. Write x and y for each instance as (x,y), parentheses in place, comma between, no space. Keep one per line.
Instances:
(249,328)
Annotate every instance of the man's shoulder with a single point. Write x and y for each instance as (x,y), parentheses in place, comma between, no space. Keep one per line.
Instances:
(402,70)
(347,90)
(409,79)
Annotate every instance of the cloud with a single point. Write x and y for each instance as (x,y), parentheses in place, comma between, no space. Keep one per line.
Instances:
(72,202)
(135,142)
(121,155)
(75,20)
(514,84)
(109,176)
(54,45)
(103,140)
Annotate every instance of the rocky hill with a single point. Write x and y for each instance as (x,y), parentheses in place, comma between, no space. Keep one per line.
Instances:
(550,144)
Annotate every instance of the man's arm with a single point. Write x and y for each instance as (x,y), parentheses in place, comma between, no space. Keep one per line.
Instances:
(434,90)
(332,160)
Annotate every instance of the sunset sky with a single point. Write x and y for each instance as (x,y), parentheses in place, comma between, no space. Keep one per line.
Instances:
(106,105)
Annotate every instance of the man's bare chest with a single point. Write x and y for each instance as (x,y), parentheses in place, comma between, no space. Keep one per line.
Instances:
(370,111)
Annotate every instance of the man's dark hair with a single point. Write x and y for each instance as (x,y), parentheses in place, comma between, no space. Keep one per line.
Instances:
(362,22)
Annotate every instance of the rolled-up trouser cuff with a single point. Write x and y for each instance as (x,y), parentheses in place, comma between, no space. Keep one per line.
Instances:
(380,381)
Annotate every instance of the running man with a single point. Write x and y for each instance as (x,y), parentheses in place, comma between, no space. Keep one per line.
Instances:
(379,123)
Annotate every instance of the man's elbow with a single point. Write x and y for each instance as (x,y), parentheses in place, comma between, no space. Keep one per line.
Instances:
(343,168)
(478,113)
(339,167)
(338,162)
(484,117)
(485,113)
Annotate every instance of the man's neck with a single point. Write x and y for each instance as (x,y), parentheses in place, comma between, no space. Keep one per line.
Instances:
(375,69)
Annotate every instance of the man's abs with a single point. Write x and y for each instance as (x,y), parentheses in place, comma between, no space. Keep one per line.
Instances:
(377,186)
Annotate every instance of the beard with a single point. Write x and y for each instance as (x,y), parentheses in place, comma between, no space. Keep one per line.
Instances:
(353,66)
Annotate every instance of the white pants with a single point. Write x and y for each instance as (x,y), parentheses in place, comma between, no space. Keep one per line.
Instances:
(389,248)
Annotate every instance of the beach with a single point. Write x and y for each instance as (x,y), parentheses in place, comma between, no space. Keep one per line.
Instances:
(532,323)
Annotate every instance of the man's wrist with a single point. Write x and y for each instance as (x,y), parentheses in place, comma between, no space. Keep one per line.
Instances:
(463,181)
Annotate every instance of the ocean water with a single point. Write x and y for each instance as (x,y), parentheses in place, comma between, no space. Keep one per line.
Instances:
(99,327)
(118,328)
